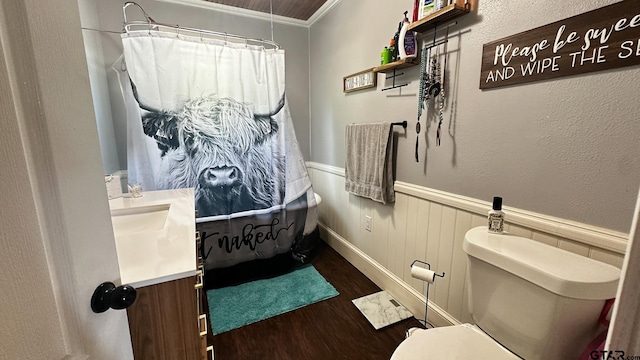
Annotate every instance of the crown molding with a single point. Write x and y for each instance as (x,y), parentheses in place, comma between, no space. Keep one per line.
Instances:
(203,4)
(322,11)
(241,12)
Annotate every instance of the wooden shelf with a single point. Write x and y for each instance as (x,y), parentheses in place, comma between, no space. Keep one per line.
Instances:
(400,64)
(447,13)
(427,23)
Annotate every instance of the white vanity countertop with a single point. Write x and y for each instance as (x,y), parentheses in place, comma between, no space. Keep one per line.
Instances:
(155,236)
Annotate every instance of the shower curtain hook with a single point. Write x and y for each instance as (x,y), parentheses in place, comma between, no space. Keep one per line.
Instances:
(225,39)
(178,31)
(144,13)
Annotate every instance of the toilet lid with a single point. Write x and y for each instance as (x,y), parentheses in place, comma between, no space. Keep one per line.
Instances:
(451,343)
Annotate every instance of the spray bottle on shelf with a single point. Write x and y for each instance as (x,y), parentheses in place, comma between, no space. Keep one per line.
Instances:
(408,46)
(396,42)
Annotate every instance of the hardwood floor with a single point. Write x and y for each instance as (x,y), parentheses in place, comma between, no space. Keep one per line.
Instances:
(328,330)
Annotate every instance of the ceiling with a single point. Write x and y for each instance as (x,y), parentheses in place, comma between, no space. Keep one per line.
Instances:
(296,9)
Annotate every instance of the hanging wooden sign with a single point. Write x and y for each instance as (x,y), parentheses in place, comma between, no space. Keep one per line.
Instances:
(358,81)
(601,39)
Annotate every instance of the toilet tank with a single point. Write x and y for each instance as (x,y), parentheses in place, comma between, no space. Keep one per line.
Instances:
(538,301)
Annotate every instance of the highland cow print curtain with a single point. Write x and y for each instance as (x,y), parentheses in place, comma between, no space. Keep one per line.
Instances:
(213,116)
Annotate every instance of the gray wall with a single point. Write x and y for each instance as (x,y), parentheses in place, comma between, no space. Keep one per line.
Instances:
(103,49)
(565,147)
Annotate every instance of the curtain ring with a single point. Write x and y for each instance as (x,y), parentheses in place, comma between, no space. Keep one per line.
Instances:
(246,42)
(178,33)
(225,39)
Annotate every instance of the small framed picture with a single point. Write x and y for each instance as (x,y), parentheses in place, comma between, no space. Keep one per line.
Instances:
(358,81)
(426,8)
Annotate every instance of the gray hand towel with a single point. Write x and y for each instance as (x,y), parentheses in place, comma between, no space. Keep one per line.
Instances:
(368,165)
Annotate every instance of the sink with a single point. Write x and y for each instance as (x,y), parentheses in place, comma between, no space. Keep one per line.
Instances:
(154,236)
(140,218)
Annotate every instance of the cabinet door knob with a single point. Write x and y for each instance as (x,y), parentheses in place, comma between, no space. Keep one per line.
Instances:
(108,296)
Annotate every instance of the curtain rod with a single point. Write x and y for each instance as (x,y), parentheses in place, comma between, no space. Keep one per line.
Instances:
(102,31)
(151,24)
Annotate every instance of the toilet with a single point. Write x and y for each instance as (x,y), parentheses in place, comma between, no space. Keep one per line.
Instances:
(528,300)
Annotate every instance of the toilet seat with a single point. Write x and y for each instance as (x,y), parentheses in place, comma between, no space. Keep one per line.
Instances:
(451,343)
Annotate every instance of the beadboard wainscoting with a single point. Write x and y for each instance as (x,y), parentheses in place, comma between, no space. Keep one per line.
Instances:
(429,225)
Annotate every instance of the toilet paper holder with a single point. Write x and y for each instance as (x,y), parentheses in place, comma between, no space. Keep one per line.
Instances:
(428,276)
(428,268)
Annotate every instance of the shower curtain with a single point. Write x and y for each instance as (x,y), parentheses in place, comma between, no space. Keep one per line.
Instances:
(213,116)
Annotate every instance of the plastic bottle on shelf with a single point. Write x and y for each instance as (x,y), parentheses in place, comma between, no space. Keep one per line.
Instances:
(392,50)
(407,47)
(385,56)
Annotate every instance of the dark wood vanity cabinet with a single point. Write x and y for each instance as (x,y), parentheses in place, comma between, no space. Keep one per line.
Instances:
(168,320)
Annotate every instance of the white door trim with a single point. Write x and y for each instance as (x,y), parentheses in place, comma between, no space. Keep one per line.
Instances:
(62,184)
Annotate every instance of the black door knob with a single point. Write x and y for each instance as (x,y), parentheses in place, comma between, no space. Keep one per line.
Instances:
(108,296)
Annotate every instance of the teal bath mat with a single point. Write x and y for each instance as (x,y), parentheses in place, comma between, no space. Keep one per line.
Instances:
(235,306)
